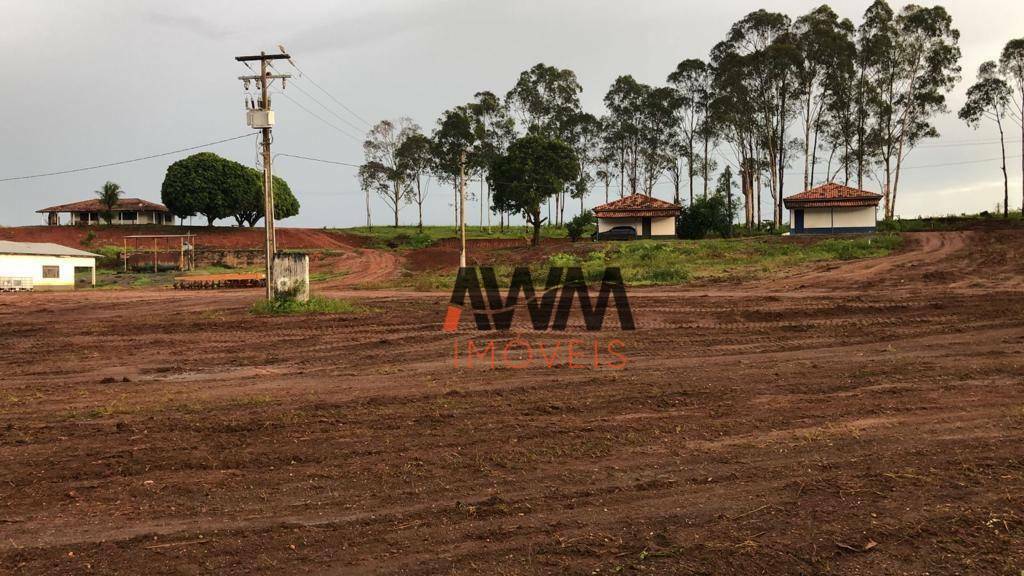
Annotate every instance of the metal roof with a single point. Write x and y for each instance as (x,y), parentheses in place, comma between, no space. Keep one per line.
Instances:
(42,249)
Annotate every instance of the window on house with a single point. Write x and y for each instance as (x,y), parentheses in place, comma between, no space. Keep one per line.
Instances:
(130,216)
(51,271)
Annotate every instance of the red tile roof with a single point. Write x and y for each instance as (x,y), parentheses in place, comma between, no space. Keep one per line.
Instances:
(636,205)
(95,206)
(832,194)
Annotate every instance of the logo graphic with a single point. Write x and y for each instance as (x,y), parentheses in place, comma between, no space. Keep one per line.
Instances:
(549,311)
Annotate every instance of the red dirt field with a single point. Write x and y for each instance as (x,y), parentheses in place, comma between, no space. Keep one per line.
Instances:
(856,418)
(221,237)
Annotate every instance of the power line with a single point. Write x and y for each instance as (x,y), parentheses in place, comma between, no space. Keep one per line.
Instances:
(118,163)
(305,76)
(320,118)
(298,87)
(318,160)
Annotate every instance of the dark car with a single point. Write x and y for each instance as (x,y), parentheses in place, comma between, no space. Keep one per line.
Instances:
(617,233)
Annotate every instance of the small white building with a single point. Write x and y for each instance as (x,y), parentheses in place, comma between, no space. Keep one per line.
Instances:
(648,216)
(833,209)
(42,266)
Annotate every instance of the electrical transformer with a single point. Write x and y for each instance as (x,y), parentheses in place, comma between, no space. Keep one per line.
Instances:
(260,118)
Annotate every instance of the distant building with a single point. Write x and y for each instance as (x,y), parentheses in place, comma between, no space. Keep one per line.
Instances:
(127,211)
(832,209)
(41,266)
(648,216)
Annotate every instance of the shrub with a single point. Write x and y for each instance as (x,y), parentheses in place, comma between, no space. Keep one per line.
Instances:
(705,216)
(580,225)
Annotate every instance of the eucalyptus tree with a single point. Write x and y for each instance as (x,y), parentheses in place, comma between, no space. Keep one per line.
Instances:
(827,52)
(730,112)
(693,81)
(495,130)
(914,56)
(641,123)
(1011,64)
(583,134)
(455,146)
(624,103)
(989,98)
(416,161)
(765,51)
(545,98)
(607,157)
(382,172)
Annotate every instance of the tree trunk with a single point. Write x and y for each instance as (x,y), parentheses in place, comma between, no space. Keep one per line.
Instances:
(536,228)
(705,165)
(1006,181)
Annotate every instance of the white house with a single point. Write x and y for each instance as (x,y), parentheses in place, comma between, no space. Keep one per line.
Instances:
(40,266)
(126,211)
(648,216)
(832,209)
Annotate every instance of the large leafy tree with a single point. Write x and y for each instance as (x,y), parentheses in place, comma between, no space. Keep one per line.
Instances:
(248,206)
(534,169)
(109,195)
(382,172)
(1011,64)
(205,184)
(989,98)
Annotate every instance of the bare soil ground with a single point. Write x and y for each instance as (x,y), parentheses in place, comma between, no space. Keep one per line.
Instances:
(220,237)
(855,418)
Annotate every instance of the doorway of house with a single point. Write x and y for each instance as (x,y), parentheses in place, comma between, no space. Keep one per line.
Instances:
(83,277)
(645,224)
(798,217)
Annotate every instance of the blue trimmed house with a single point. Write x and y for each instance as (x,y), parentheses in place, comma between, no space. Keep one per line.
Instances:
(833,209)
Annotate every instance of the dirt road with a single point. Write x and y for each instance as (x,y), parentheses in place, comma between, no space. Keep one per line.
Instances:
(859,418)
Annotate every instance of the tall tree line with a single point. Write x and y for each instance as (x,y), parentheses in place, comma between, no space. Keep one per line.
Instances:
(852,100)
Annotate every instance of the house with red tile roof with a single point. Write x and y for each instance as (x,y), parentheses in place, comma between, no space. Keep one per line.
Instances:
(126,211)
(648,216)
(833,209)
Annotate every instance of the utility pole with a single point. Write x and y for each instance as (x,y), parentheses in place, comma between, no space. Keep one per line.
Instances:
(262,118)
(462,207)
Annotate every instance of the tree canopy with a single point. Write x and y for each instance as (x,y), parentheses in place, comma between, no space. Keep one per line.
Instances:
(534,169)
(215,187)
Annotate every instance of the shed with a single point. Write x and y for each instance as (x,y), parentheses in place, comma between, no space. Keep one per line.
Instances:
(833,209)
(650,217)
(126,211)
(42,266)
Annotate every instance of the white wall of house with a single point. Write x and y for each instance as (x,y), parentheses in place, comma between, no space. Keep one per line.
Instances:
(142,217)
(660,225)
(31,266)
(836,217)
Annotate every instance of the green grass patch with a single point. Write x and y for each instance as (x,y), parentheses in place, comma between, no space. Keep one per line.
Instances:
(411,237)
(950,222)
(315,305)
(666,262)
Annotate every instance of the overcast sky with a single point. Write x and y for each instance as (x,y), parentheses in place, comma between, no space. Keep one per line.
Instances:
(87,83)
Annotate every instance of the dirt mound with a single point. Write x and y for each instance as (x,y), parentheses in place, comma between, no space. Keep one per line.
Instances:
(216,237)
